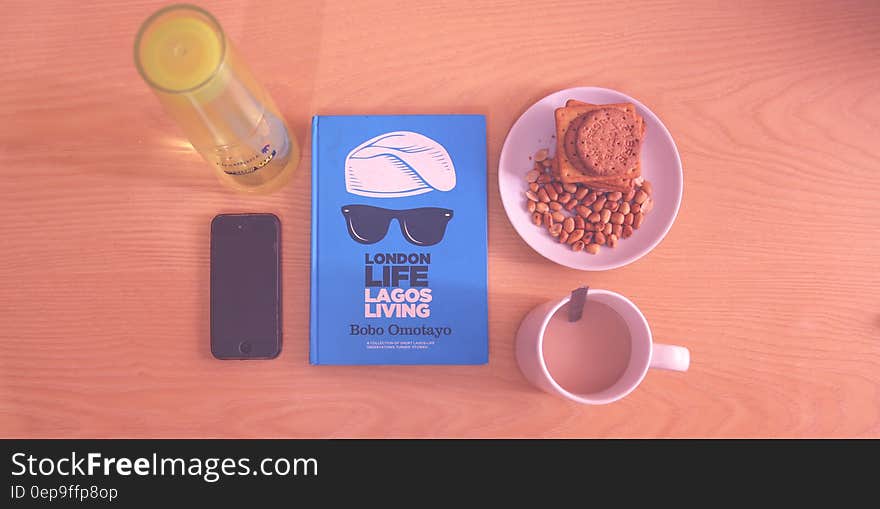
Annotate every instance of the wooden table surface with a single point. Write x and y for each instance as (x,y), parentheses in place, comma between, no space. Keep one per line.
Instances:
(769,275)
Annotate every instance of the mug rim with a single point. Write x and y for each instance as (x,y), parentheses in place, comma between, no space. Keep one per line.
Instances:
(643,369)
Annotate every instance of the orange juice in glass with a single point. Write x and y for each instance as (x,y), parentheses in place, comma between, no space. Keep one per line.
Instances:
(183,54)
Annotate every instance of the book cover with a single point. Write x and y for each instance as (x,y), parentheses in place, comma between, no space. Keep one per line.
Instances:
(399,257)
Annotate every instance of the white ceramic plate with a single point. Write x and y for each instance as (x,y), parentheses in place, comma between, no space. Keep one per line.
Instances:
(535,130)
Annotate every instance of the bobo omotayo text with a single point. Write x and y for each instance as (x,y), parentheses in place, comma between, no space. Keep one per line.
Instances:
(384,276)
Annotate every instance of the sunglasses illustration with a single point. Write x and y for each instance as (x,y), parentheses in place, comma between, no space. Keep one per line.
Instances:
(423,226)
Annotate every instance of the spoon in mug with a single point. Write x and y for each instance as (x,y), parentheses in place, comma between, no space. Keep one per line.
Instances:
(576,303)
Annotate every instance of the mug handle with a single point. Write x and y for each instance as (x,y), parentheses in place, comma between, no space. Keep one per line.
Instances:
(675,358)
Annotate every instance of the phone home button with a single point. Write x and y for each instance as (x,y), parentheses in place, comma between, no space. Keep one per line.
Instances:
(244,347)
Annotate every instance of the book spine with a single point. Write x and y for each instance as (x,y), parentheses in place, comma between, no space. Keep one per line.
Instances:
(484,355)
(313,290)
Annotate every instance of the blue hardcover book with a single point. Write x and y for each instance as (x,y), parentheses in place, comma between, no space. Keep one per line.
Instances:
(399,240)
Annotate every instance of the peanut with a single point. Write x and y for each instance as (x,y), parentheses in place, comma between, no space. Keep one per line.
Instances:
(557,186)
(590,198)
(563,198)
(594,217)
(612,206)
(611,240)
(624,208)
(570,204)
(531,195)
(616,229)
(599,238)
(647,206)
(542,207)
(579,223)
(599,203)
(629,195)
(647,187)
(537,217)
(534,186)
(617,218)
(558,216)
(563,236)
(588,237)
(627,231)
(548,219)
(531,205)
(541,155)
(532,176)
(582,192)
(570,188)
(592,248)
(605,215)
(628,219)
(637,220)
(575,236)
(635,208)
(584,211)
(614,196)
(555,229)
(551,193)
(640,196)
(545,178)
(555,205)
(608,229)
(543,196)
(568,224)
(577,246)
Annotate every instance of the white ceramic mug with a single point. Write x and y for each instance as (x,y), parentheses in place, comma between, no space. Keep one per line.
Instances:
(644,353)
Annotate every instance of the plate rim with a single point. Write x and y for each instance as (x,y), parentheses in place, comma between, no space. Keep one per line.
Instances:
(610,265)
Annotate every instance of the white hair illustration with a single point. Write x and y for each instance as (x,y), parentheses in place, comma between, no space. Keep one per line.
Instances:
(396,164)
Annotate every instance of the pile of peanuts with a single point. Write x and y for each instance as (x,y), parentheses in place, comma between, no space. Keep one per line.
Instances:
(584,219)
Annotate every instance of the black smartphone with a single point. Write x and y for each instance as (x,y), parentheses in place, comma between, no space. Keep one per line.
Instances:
(245,286)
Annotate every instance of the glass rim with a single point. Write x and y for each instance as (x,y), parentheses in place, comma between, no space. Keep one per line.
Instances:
(161,12)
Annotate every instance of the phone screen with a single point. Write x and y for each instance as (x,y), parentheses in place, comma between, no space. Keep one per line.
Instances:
(245,286)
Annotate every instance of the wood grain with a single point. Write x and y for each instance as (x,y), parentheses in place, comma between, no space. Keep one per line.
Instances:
(769,275)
